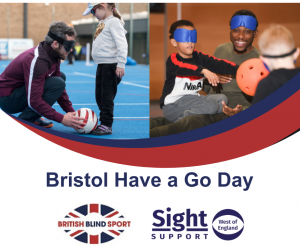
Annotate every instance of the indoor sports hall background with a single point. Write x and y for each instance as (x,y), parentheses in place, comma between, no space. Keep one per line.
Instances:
(212,23)
(24,25)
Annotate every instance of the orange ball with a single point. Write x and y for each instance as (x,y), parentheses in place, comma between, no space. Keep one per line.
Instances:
(249,74)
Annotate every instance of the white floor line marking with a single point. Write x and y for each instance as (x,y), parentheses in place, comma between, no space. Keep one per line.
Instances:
(128,83)
(93,82)
(131,117)
(115,104)
(147,82)
(84,74)
(123,82)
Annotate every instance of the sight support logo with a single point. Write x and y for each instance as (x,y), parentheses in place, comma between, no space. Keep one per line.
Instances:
(94,224)
(185,225)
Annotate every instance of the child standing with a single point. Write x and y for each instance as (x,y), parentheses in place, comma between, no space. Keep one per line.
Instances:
(110,53)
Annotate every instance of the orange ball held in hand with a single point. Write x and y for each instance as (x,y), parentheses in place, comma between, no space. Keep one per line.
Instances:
(249,74)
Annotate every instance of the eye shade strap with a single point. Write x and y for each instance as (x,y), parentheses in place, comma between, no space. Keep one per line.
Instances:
(281,56)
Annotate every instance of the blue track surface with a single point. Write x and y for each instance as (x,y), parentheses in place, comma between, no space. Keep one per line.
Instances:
(131,113)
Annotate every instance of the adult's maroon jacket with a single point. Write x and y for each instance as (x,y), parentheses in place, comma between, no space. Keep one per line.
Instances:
(32,68)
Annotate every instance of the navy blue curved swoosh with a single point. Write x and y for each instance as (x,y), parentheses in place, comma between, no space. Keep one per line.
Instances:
(249,114)
(228,237)
(228,212)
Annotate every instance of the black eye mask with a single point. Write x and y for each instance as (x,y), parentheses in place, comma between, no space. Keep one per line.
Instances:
(67,44)
(281,56)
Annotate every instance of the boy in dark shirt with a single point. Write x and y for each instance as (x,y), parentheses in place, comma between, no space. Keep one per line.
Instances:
(186,70)
(279,53)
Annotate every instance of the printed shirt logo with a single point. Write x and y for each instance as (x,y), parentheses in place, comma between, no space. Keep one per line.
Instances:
(184,85)
(193,86)
(94,224)
(189,83)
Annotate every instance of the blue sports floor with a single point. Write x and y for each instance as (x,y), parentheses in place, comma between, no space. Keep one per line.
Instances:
(131,113)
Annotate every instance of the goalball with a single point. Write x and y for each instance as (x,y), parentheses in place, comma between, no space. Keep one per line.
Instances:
(249,74)
(90,116)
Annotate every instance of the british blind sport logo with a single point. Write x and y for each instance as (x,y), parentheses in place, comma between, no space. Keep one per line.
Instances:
(94,224)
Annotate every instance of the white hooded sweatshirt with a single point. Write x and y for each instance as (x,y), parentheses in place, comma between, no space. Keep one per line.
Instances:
(110,46)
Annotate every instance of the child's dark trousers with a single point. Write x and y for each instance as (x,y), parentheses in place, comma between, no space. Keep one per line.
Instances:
(106,90)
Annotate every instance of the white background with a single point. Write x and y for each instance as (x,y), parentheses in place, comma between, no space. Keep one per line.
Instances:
(30,210)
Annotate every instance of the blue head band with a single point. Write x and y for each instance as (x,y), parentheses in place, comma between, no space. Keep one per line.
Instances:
(266,67)
(247,21)
(184,35)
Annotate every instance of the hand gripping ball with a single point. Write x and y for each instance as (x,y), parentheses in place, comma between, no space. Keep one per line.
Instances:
(90,116)
(249,74)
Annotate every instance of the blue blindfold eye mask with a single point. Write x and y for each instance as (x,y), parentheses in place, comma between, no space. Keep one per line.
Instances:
(247,21)
(185,36)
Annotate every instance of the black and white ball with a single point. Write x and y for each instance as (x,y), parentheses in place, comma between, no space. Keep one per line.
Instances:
(90,116)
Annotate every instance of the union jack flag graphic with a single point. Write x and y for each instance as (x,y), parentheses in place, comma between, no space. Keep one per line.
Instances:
(106,213)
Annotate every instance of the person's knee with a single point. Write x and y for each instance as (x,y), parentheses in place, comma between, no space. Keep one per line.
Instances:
(214,108)
(54,84)
(63,76)
(220,104)
(223,98)
(60,84)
